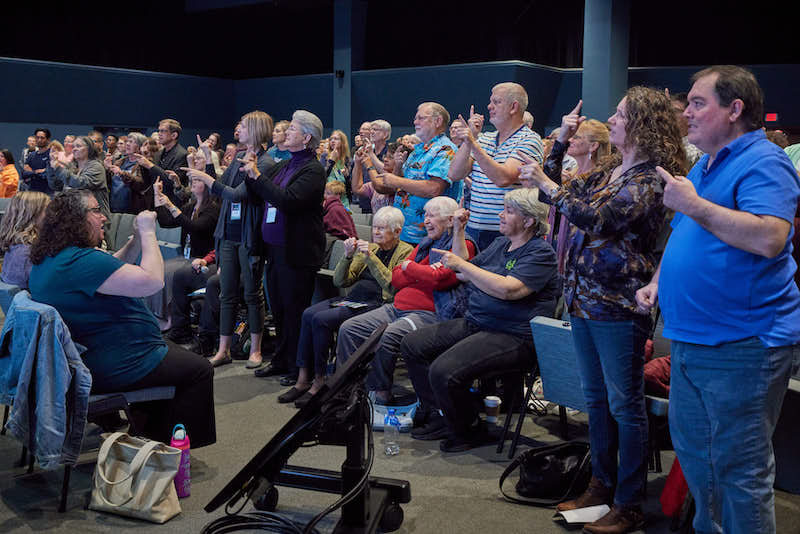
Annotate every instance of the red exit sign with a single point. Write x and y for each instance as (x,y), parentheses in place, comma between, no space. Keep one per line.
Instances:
(771,117)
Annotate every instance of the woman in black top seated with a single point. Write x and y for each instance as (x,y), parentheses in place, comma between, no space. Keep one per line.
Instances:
(510,282)
(197,221)
(367,268)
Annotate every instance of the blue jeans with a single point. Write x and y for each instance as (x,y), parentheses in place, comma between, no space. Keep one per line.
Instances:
(724,404)
(318,324)
(356,330)
(611,367)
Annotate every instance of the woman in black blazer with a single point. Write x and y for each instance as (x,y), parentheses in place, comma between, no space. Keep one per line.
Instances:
(293,235)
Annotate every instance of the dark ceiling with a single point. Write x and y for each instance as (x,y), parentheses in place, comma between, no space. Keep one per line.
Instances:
(283,37)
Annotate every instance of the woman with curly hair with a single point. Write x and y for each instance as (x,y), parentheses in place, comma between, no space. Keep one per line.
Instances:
(99,297)
(18,230)
(617,213)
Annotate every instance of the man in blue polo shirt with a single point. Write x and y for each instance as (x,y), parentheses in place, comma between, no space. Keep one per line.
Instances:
(730,304)
(424,174)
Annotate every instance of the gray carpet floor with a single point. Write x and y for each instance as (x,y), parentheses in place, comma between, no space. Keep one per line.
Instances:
(450,492)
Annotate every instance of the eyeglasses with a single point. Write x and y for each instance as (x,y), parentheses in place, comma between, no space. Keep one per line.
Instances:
(163,130)
(96,209)
(422,117)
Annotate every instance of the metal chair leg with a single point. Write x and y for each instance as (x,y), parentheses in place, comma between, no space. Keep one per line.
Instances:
(31,459)
(507,424)
(62,507)
(562,416)
(23,459)
(5,420)
(521,420)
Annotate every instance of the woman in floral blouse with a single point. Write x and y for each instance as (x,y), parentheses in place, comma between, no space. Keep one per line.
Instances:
(617,214)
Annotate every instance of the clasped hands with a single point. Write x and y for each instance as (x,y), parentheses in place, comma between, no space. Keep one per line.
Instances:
(351,245)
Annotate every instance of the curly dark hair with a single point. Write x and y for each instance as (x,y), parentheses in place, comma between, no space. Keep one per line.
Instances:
(652,129)
(64,225)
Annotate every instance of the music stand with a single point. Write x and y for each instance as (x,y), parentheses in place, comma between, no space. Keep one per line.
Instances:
(334,416)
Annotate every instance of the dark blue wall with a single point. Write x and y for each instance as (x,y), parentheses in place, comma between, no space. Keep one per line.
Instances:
(73,98)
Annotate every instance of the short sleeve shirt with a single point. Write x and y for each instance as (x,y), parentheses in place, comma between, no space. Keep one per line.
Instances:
(431,160)
(122,337)
(713,293)
(533,264)
(486,199)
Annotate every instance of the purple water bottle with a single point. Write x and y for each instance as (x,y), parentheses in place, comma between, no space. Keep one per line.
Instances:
(183,480)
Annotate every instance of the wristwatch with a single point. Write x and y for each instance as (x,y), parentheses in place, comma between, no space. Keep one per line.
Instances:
(553,190)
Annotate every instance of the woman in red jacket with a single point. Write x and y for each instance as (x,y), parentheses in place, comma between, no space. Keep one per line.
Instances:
(415,304)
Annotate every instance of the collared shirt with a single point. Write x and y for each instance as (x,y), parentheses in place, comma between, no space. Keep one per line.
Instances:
(713,293)
(612,239)
(486,198)
(428,160)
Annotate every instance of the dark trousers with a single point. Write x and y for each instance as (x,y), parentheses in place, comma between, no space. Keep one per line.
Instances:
(235,263)
(184,281)
(320,321)
(445,358)
(290,292)
(209,313)
(193,405)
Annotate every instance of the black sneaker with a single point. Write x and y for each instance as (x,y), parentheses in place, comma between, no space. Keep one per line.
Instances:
(478,437)
(203,345)
(421,417)
(435,428)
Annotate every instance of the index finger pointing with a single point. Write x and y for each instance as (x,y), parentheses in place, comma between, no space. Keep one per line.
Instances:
(666,176)
(199,141)
(440,251)
(577,109)
(472,110)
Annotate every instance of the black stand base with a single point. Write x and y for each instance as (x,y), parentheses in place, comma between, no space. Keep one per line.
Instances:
(378,506)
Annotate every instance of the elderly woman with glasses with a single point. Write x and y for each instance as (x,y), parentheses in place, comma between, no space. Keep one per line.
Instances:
(293,234)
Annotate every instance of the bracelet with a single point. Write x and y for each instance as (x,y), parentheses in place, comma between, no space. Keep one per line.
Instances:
(370,168)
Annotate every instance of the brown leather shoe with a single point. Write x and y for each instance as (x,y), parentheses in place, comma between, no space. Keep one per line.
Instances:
(619,520)
(595,494)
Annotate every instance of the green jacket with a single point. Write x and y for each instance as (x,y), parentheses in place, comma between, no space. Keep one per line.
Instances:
(349,270)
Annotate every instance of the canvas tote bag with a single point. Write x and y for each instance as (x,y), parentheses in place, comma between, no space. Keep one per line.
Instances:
(134,478)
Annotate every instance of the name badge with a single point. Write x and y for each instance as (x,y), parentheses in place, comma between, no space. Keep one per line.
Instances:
(272,213)
(236,211)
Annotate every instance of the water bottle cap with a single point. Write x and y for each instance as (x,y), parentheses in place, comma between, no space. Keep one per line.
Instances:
(392,411)
(180,434)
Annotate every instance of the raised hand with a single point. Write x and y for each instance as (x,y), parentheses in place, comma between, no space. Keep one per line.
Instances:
(174,177)
(679,193)
(198,175)
(350,246)
(399,157)
(570,123)
(205,147)
(363,247)
(146,222)
(531,173)
(158,195)
(249,164)
(140,159)
(460,216)
(107,162)
(475,122)
(461,131)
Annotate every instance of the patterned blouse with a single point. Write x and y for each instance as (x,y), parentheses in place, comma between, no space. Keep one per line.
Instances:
(613,238)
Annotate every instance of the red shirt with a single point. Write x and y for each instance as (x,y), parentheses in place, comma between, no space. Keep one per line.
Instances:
(415,285)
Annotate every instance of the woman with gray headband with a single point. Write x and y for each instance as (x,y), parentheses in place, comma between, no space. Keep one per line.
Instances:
(512,281)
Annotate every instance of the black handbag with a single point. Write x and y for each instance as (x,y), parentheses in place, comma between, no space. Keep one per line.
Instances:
(551,474)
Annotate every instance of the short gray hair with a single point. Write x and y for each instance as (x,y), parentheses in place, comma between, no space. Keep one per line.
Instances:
(383,126)
(514,92)
(441,206)
(138,138)
(389,216)
(309,125)
(526,201)
(438,110)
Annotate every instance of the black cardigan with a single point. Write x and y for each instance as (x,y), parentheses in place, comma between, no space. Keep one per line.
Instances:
(301,203)
(201,228)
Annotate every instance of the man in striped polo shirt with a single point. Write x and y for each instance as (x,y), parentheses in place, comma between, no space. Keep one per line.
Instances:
(492,160)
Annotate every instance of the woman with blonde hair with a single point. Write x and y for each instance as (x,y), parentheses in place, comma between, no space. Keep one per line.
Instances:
(338,163)
(238,234)
(18,230)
